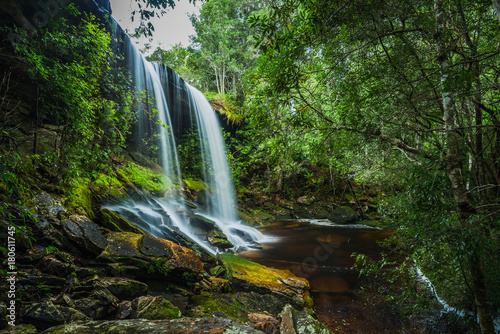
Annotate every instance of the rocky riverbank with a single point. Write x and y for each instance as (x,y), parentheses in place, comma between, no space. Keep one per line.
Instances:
(77,275)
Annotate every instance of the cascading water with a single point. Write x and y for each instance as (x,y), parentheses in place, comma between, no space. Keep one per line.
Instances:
(221,206)
(168,217)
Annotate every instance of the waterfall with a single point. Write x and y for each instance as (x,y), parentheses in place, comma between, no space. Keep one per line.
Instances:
(167,97)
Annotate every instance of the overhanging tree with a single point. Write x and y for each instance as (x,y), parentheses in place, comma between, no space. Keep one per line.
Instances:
(414,78)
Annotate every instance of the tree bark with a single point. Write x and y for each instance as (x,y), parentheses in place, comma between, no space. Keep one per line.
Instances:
(496,3)
(454,167)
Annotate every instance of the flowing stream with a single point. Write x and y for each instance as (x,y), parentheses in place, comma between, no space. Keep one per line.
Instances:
(321,253)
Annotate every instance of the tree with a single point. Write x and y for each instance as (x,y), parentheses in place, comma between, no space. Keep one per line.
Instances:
(222,39)
(80,89)
(412,79)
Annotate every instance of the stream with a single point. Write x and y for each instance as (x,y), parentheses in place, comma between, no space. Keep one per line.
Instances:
(321,253)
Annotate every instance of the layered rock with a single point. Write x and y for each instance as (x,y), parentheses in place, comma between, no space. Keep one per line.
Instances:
(250,276)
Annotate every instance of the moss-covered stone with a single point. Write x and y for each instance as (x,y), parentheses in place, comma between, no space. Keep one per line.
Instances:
(146,256)
(107,187)
(79,199)
(219,239)
(195,185)
(21,329)
(124,288)
(147,179)
(115,222)
(303,322)
(205,304)
(343,215)
(251,276)
(154,308)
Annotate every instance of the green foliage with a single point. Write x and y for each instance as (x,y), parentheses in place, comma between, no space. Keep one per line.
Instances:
(194,184)
(402,280)
(79,196)
(81,89)
(145,178)
(431,231)
(190,155)
(179,59)
(223,45)
(226,105)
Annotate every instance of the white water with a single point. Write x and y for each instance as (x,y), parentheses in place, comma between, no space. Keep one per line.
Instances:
(158,216)
(446,307)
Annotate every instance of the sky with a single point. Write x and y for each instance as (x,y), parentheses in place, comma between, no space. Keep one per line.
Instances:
(172,28)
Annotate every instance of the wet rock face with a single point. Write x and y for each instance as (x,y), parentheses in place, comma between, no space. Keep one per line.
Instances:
(85,233)
(46,204)
(219,239)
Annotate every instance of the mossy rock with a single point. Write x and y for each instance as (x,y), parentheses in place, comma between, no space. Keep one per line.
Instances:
(219,239)
(115,222)
(79,199)
(343,215)
(152,181)
(154,308)
(21,329)
(248,270)
(253,277)
(206,304)
(195,185)
(124,288)
(108,188)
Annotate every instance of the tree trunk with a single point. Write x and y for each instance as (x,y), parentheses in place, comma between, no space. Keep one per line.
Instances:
(496,3)
(454,166)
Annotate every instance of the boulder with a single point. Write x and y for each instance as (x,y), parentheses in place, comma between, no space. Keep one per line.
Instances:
(154,308)
(93,308)
(250,276)
(219,239)
(145,256)
(305,200)
(300,322)
(264,323)
(124,310)
(115,222)
(123,288)
(46,314)
(47,205)
(84,233)
(134,326)
(343,215)
(20,329)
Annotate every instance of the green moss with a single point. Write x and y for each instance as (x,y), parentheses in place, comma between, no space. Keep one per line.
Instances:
(79,197)
(147,179)
(207,303)
(248,270)
(194,184)
(115,222)
(108,187)
(156,308)
(224,105)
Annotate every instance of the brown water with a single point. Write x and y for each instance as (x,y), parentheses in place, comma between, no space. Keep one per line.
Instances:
(322,255)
